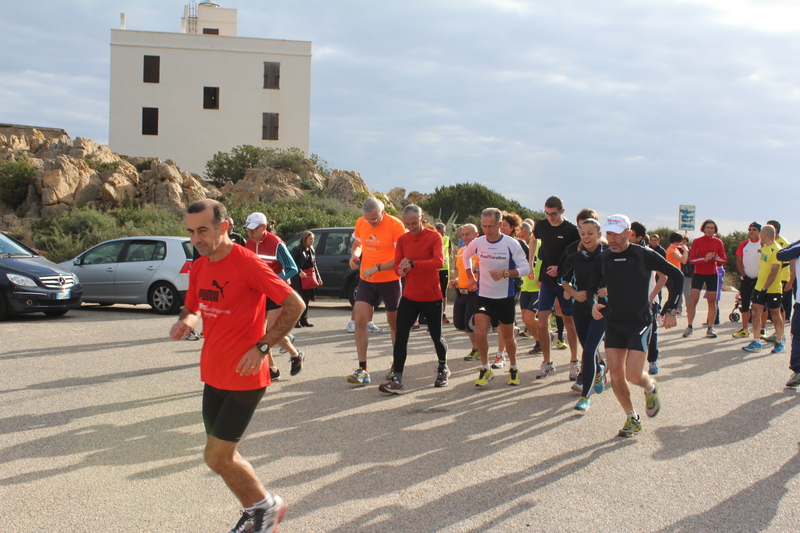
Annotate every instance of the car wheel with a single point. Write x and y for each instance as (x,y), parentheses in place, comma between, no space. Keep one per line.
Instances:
(351,292)
(3,308)
(164,298)
(60,312)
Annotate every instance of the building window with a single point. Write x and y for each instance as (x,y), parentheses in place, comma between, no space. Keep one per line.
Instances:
(152,69)
(149,121)
(210,97)
(210,31)
(272,75)
(269,126)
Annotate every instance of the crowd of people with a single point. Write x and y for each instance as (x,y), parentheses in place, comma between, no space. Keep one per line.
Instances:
(602,281)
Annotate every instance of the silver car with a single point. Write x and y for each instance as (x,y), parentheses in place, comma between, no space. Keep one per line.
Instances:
(136,270)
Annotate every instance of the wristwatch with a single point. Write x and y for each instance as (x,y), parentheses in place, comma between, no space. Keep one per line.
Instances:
(263,347)
(506,273)
(673,312)
(411,263)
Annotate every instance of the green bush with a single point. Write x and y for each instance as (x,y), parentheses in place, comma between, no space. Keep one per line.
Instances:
(143,165)
(97,166)
(233,165)
(467,200)
(15,177)
(65,237)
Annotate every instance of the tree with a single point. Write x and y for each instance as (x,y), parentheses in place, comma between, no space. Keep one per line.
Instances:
(15,176)
(467,200)
(233,165)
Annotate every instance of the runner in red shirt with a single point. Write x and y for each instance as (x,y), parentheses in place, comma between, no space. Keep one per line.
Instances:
(706,253)
(227,287)
(418,256)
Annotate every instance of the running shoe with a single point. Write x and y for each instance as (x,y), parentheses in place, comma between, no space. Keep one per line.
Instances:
(392,387)
(583,405)
(537,349)
(546,370)
(763,333)
(653,401)
(779,347)
(632,427)
(653,368)
(600,380)
(484,377)
(742,333)
(474,355)
(794,381)
(711,334)
(415,326)
(560,345)
(359,376)
(524,333)
(351,326)
(372,328)
(516,331)
(577,386)
(192,336)
(245,523)
(574,370)
(274,373)
(754,346)
(267,520)
(442,377)
(688,332)
(445,320)
(297,363)
(513,376)
(772,338)
(291,341)
(499,360)
(390,374)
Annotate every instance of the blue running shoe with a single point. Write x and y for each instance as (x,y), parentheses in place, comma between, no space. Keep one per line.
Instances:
(583,405)
(600,380)
(754,346)
(779,347)
(653,368)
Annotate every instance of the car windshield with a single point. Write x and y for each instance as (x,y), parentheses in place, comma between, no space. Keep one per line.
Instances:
(9,247)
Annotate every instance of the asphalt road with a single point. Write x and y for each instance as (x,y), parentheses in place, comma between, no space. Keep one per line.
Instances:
(101,431)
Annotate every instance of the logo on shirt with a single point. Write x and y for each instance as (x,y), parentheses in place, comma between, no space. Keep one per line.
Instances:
(221,289)
(621,259)
(213,296)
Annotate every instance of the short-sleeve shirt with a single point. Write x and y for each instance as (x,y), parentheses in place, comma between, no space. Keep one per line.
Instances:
(768,258)
(674,262)
(229,294)
(750,252)
(377,245)
(555,240)
(532,285)
(503,254)
(463,278)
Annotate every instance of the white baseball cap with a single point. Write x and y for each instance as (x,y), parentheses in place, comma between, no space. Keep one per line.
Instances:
(617,224)
(255,220)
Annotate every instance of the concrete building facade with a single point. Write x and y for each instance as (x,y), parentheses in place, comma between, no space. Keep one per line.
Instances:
(186,96)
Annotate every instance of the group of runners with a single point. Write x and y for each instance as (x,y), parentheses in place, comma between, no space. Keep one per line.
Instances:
(599,276)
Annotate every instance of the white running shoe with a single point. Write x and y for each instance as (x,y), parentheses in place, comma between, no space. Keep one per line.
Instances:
(373,328)
(351,326)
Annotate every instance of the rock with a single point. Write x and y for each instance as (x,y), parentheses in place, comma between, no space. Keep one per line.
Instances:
(346,186)
(267,184)
(397,195)
(53,211)
(416,197)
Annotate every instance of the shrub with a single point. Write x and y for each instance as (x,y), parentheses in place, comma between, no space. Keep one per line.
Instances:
(143,165)
(97,166)
(233,165)
(15,177)
(467,200)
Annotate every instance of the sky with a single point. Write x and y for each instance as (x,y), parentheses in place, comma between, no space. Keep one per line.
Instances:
(633,107)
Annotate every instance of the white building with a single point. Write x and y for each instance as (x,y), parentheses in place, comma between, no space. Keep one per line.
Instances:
(186,96)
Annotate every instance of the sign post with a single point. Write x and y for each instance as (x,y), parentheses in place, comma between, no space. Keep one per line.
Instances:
(686,216)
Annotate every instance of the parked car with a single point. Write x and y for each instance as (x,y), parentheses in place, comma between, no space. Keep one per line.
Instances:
(332,247)
(29,283)
(136,270)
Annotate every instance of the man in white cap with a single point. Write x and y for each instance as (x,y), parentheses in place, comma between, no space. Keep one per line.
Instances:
(272,250)
(625,269)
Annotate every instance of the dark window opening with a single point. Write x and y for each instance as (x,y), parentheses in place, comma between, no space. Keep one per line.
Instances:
(149,121)
(152,69)
(210,97)
(210,31)
(269,127)
(272,75)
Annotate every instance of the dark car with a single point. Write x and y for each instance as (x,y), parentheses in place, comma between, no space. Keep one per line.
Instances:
(29,283)
(332,246)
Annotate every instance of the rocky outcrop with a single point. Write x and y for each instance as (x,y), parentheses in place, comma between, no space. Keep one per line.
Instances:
(346,186)
(269,184)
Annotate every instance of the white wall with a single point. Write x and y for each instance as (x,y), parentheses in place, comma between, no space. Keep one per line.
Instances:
(224,19)
(188,133)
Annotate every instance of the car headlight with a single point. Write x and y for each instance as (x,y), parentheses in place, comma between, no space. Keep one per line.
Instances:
(75,276)
(22,281)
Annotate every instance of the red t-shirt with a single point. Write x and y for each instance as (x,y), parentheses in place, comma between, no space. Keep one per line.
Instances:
(697,255)
(230,296)
(425,249)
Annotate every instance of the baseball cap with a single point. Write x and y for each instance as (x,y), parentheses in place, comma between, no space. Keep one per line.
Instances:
(617,224)
(754,225)
(255,220)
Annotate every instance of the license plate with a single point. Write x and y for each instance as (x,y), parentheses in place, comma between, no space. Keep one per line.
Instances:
(63,295)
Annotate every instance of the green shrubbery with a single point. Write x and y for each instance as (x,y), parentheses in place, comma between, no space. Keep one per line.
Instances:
(15,176)
(65,237)
(232,166)
(97,166)
(467,200)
